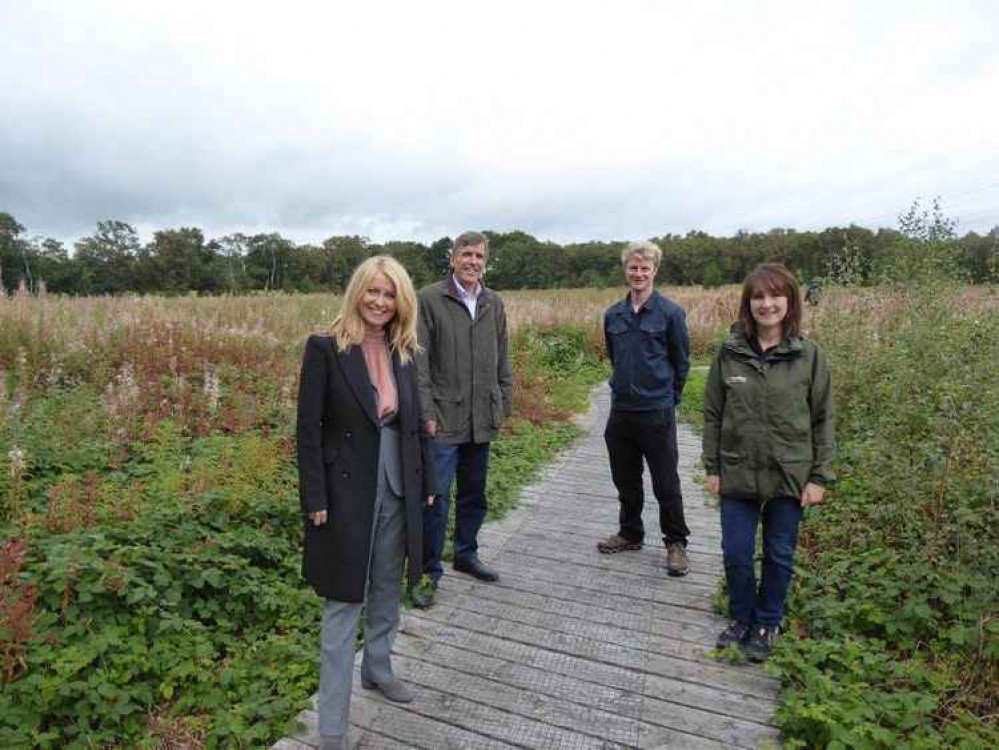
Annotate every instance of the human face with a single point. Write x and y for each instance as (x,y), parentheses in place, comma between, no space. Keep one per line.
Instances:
(378,303)
(769,310)
(469,264)
(640,275)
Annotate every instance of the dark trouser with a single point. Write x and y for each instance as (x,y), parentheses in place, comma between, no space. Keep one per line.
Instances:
(470,462)
(739,518)
(632,436)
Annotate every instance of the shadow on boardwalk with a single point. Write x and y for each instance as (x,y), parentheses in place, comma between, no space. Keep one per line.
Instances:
(572,649)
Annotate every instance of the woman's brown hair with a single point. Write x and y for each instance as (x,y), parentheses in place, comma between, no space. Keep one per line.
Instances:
(778,281)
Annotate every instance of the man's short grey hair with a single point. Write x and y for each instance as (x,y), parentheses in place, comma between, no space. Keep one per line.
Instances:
(647,250)
(469,239)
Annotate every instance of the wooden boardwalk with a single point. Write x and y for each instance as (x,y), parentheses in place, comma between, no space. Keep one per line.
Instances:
(572,648)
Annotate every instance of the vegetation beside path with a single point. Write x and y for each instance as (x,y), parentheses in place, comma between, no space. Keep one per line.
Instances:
(894,611)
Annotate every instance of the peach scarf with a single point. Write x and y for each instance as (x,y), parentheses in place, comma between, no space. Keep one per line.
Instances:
(376,357)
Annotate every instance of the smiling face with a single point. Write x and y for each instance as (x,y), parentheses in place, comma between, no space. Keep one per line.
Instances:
(468,264)
(378,302)
(640,273)
(769,310)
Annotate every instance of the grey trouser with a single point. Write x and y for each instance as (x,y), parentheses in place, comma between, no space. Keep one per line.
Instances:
(381,617)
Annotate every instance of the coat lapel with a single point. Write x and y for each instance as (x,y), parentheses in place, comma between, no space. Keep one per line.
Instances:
(356,372)
(402,393)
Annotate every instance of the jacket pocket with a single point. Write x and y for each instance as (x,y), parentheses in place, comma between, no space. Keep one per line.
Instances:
(330,453)
(653,326)
(735,475)
(496,408)
(450,414)
(795,470)
(616,327)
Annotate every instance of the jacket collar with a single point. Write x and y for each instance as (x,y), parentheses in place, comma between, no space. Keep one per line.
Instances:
(356,372)
(739,344)
(449,289)
(654,300)
(404,407)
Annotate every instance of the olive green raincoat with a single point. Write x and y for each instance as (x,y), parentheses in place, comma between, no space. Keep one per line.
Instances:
(768,427)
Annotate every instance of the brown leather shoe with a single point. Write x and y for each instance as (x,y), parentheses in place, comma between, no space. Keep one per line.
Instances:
(677,562)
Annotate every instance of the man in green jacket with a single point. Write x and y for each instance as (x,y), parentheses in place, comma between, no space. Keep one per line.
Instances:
(466,390)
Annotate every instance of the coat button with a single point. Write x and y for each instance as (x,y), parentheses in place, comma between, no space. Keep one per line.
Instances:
(345,475)
(348,433)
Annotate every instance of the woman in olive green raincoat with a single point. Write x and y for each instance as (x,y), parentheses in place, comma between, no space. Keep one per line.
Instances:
(768,446)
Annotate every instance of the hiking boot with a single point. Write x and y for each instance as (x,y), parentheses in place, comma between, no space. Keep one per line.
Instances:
(617,543)
(677,562)
(761,642)
(736,632)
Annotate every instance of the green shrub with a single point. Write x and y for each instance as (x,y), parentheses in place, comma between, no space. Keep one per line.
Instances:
(896,588)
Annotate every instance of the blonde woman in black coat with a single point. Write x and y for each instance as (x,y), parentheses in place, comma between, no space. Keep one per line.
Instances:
(365,474)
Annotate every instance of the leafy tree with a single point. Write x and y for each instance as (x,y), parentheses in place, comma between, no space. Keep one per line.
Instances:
(925,248)
(55,268)
(178,261)
(414,256)
(268,257)
(343,254)
(439,257)
(231,251)
(12,253)
(106,259)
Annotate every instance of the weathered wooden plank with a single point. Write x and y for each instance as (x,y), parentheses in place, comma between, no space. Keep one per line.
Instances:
(643,635)
(700,711)
(621,583)
(649,561)
(433,720)
(363,736)
(540,700)
(517,593)
(720,700)
(484,712)
(631,655)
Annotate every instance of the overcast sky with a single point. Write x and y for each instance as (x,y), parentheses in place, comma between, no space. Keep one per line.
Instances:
(571,121)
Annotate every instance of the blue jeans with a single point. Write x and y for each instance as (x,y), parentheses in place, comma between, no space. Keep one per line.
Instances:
(739,518)
(470,462)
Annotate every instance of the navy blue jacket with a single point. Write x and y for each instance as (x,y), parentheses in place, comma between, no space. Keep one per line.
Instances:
(650,353)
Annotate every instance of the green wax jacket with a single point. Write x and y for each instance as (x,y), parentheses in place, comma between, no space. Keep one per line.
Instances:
(464,371)
(768,426)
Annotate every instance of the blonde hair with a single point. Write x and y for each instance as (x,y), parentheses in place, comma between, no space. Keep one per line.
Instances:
(348,328)
(648,251)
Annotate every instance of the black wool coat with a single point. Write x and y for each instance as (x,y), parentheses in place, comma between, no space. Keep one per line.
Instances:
(338,439)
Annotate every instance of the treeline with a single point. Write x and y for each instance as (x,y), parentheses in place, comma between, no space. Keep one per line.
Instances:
(113,260)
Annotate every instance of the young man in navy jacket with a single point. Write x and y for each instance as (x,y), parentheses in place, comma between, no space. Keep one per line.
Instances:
(648,346)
